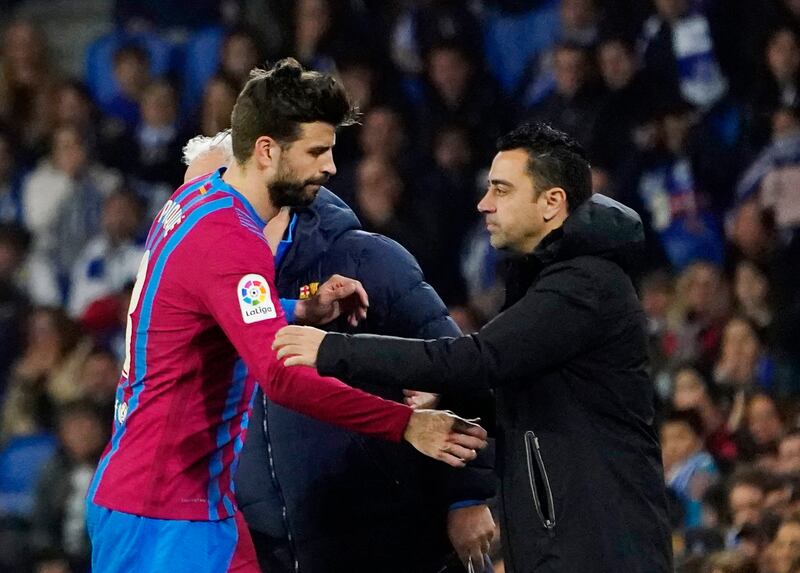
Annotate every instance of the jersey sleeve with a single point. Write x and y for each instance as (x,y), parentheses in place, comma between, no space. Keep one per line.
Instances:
(239,292)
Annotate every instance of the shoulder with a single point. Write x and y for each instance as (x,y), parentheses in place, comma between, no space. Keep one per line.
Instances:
(215,230)
(374,249)
(379,260)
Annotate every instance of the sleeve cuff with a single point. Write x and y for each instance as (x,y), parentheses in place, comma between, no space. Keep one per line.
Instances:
(466,503)
(288,305)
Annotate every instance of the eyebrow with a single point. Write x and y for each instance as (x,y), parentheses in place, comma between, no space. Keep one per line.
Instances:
(320,148)
(496,182)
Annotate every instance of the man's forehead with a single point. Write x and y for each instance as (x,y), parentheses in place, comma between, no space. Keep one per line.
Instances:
(317,132)
(511,163)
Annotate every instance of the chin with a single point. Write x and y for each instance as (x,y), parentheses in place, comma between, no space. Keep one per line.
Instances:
(497,242)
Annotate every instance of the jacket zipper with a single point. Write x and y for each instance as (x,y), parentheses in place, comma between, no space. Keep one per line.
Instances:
(276,483)
(532,452)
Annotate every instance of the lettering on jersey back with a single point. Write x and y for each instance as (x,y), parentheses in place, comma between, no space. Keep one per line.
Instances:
(171,215)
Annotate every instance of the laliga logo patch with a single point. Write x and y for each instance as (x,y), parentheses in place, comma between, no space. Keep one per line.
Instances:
(254,299)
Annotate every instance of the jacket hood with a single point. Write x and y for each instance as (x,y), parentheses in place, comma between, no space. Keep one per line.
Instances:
(318,226)
(600,227)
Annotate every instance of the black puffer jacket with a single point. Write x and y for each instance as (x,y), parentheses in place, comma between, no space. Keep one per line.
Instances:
(580,467)
(340,501)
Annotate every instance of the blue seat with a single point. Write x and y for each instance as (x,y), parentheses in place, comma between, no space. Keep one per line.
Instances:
(200,61)
(21,463)
(510,41)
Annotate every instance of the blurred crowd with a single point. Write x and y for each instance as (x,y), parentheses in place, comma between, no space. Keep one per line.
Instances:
(689,111)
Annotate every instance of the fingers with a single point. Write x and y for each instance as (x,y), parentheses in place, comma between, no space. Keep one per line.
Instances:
(465,441)
(287,350)
(450,460)
(477,561)
(298,361)
(463,426)
(465,454)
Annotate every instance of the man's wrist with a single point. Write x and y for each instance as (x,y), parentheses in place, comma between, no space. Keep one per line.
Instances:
(300,312)
(289,306)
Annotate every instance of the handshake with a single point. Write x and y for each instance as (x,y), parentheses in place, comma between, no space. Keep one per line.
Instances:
(438,434)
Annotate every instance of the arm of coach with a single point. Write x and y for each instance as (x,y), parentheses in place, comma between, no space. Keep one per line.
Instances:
(559,318)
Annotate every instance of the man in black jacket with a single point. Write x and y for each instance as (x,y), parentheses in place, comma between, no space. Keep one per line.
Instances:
(582,487)
(317,498)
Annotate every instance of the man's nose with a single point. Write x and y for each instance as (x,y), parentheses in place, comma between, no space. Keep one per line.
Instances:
(485,205)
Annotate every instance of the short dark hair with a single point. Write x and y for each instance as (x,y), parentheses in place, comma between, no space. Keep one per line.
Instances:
(17,236)
(131,49)
(554,160)
(689,417)
(275,102)
(752,477)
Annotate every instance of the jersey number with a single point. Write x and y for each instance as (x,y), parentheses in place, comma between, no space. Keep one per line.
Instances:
(135,296)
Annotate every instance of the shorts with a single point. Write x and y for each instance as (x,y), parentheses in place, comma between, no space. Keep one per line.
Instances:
(123,542)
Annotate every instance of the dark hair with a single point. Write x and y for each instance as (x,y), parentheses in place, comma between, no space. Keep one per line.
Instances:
(275,102)
(554,160)
(752,477)
(611,38)
(689,417)
(17,236)
(131,50)
(80,408)
(659,279)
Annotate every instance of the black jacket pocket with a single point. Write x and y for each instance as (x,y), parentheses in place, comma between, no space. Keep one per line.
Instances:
(541,491)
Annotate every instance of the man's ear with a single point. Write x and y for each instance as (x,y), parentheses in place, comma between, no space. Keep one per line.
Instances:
(555,202)
(266,151)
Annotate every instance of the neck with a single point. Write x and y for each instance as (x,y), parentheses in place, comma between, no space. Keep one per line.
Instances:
(548,228)
(246,181)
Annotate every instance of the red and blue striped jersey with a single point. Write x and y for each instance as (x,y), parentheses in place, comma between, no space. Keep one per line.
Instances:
(202,318)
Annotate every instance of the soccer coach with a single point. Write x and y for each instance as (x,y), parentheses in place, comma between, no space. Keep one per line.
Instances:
(582,487)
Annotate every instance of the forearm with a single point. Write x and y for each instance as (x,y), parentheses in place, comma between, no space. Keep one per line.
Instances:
(329,400)
(442,365)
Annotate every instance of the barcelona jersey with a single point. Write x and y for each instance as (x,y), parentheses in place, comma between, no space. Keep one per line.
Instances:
(202,318)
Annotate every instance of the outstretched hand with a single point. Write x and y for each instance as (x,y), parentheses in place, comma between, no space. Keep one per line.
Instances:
(445,437)
(300,343)
(338,296)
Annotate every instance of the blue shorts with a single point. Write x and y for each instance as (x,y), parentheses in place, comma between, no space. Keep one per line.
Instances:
(122,542)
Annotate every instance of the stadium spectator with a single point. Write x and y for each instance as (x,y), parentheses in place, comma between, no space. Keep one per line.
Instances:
(680,53)
(218,99)
(688,468)
(779,82)
(574,102)
(698,315)
(789,453)
(239,54)
(25,73)
(729,562)
(59,521)
(62,200)
(457,91)
(44,376)
(11,177)
(785,548)
(776,170)
(693,392)
(626,102)
(111,258)
(132,74)
(14,245)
